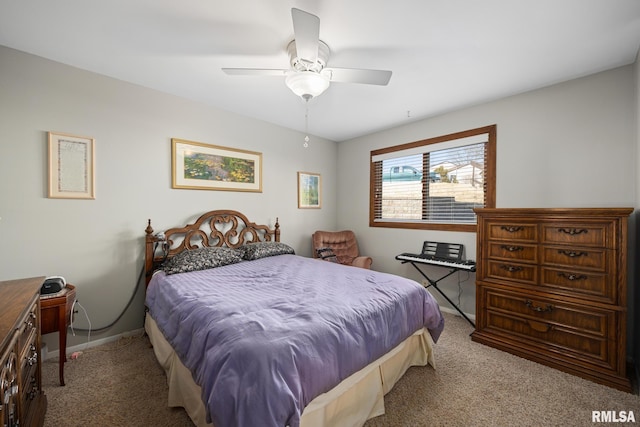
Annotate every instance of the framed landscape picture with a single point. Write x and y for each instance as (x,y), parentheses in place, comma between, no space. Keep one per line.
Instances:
(211,167)
(309,190)
(71,167)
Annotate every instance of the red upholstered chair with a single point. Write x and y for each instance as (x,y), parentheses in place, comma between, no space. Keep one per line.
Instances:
(343,244)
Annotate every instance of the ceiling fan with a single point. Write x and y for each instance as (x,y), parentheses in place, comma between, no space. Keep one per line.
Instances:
(309,76)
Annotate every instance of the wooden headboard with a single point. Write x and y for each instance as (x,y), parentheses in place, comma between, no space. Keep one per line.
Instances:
(215,228)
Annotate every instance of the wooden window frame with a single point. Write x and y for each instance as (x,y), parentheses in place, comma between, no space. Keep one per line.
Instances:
(489,180)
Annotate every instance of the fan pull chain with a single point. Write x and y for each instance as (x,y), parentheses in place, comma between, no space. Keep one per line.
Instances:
(306,123)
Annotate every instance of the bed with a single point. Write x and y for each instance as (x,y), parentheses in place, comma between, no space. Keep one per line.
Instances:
(249,333)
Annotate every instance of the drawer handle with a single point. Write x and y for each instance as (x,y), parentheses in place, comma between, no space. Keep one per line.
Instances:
(538,309)
(511,229)
(511,268)
(572,254)
(573,276)
(33,359)
(512,248)
(11,391)
(539,327)
(573,231)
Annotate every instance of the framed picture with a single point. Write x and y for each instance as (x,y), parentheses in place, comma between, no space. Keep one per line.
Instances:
(210,167)
(309,190)
(71,166)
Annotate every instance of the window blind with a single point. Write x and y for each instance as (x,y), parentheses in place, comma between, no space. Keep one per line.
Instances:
(431,182)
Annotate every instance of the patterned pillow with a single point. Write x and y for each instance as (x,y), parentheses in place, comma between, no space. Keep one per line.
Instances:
(253,251)
(201,259)
(326,254)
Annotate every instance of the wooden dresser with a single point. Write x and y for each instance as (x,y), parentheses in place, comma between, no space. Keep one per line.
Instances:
(551,286)
(23,402)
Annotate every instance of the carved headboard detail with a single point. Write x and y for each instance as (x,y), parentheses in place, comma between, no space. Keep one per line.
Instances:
(227,228)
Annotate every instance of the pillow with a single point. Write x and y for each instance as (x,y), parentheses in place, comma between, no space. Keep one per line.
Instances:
(327,254)
(257,250)
(201,259)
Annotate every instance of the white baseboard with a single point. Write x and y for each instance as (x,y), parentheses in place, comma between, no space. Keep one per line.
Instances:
(82,347)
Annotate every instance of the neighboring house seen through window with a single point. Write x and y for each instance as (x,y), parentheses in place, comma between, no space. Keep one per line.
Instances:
(435,183)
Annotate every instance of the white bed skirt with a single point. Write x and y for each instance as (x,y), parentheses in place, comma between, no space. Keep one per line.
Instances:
(350,403)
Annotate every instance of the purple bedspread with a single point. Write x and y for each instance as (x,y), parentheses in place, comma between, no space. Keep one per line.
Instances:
(263,338)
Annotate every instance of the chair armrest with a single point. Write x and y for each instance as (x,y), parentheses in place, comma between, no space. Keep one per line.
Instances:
(362,262)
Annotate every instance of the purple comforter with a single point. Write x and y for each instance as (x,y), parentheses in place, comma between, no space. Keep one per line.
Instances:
(263,338)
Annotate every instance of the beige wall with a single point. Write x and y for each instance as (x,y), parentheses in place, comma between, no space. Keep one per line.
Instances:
(573,144)
(98,244)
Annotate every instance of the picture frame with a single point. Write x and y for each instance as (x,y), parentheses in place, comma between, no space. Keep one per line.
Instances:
(309,190)
(200,166)
(71,166)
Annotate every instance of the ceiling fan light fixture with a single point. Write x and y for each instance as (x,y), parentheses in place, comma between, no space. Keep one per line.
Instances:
(307,84)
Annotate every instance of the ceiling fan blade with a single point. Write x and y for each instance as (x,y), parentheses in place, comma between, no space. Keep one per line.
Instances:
(253,72)
(354,75)
(306,30)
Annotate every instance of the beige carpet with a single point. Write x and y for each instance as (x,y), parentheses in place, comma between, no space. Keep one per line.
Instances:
(122,384)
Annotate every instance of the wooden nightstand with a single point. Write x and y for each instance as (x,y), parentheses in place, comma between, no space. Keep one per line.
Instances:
(55,315)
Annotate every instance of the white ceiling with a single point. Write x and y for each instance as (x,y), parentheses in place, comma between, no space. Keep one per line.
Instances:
(444,54)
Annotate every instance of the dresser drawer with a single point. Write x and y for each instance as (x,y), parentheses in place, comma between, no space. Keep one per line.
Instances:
(567,329)
(574,282)
(581,234)
(28,376)
(512,271)
(523,232)
(593,259)
(513,251)
(28,361)
(549,339)
(28,327)
(29,389)
(552,314)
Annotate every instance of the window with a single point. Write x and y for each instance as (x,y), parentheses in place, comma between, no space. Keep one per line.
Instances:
(435,183)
